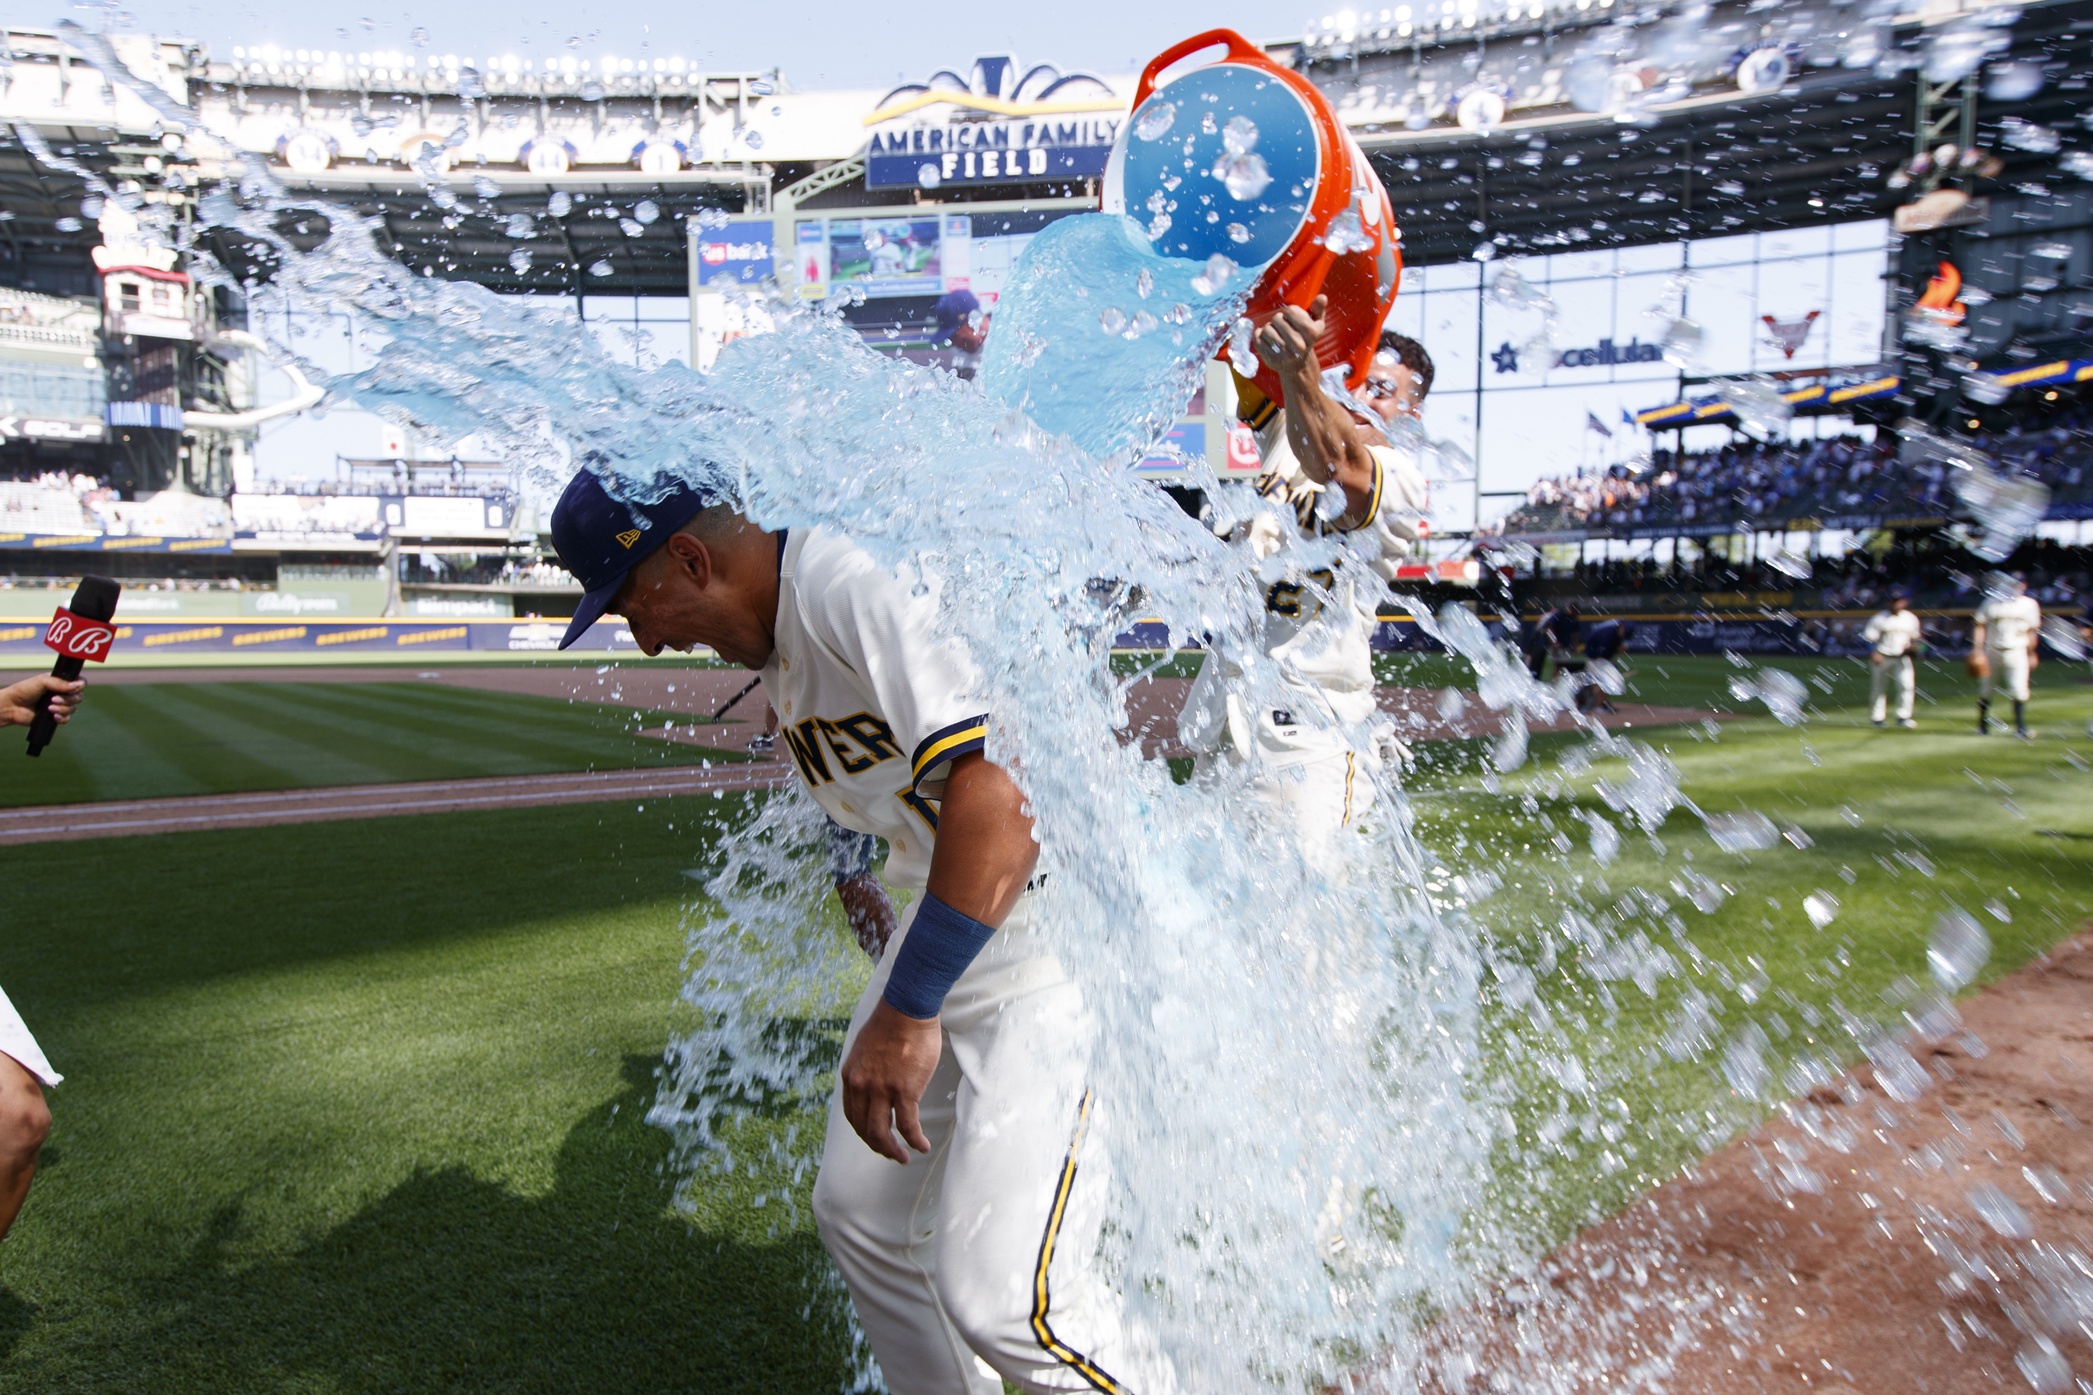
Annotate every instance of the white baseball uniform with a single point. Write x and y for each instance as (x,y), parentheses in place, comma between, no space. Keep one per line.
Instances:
(974,1263)
(1319,628)
(15,1041)
(1894,635)
(2010,625)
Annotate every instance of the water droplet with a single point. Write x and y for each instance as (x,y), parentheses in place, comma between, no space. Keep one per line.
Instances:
(1606,840)
(419,37)
(1154,121)
(1239,136)
(1141,324)
(1145,283)
(1789,563)
(1821,907)
(520,259)
(1244,176)
(928,176)
(1238,233)
(2043,1366)
(67,224)
(560,203)
(1241,356)
(1957,949)
(1111,319)
(470,87)
(520,225)
(1746,830)
(1215,278)
(1484,251)
(1681,345)
(1744,1062)
(600,268)
(646,210)
(1999,1211)
(592,91)
(752,139)
(1346,236)
(631,227)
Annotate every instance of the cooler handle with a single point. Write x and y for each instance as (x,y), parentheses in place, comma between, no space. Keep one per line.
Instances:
(1240,50)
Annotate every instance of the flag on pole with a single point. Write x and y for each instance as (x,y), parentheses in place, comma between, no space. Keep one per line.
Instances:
(1592,423)
(1628,418)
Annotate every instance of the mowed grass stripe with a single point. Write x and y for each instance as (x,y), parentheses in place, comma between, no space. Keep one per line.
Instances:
(154,740)
(402,740)
(234,722)
(125,745)
(507,735)
(544,733)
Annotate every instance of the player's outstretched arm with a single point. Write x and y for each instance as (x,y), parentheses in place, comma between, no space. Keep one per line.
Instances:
(985,856)
(18,700)
(1321,431)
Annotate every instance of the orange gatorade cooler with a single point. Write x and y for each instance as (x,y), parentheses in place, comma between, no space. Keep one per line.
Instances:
(1243,159)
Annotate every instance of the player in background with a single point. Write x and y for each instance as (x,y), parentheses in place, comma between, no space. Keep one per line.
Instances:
(1330,471)
(2002,642)
(950,1193)
(25,1120)
(1896,638)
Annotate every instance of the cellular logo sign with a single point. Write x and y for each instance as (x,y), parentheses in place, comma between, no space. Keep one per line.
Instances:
(78,637)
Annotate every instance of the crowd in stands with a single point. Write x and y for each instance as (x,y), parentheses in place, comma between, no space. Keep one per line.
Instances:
(2059,576)
(1770,483)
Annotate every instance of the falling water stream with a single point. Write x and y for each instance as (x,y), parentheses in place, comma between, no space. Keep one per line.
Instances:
(1348,1090)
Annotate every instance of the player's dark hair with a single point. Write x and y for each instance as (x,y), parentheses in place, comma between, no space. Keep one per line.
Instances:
(1412,356)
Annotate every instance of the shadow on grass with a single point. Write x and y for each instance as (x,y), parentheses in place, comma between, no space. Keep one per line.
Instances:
(452,1283)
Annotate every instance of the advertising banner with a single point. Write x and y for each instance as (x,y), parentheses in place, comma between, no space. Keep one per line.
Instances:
(1039,149)
(742,253)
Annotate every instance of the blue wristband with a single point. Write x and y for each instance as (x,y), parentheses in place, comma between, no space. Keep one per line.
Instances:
(939,945)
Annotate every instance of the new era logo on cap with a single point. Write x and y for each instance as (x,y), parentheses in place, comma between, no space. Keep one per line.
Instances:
(599,539)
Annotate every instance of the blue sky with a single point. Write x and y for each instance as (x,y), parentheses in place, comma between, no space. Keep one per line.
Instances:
(819,43)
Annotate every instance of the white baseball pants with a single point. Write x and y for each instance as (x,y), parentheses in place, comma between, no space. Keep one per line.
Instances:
(1901,672)
(976,1262)
(15,1041)
(2008,674)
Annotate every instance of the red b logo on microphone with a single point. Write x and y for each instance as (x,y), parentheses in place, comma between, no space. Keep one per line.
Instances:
(78,637)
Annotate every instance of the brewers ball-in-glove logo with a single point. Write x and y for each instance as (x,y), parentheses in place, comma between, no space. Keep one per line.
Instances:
(78,637)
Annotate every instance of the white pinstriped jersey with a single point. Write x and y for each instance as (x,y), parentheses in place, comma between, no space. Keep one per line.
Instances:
(2009,623)
(1319,622)
(872,702)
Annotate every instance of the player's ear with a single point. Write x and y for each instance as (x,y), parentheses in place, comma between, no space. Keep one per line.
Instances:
(690,556)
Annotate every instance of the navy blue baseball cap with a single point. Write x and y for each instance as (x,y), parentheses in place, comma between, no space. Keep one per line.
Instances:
(600,539)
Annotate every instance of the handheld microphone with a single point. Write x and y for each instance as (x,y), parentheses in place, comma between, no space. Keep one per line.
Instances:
(78,632)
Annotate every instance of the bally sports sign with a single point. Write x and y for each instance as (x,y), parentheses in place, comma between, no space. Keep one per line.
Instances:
(78,637)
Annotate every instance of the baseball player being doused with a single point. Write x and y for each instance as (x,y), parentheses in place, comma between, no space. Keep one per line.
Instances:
(1330,473)
(961,1187)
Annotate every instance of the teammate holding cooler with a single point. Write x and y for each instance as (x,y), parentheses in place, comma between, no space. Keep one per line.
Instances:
(2003,638)
(961,1189)
(1329,472)
(1896,638)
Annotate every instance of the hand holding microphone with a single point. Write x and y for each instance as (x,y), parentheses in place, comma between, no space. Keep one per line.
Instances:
(78,632)
(20,702)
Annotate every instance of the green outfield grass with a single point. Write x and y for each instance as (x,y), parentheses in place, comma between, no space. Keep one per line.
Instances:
(358,1107)
(1898,826)
(134,741)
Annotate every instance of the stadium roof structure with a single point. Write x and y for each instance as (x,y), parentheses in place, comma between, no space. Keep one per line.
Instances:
(1707,155)
(1709,149)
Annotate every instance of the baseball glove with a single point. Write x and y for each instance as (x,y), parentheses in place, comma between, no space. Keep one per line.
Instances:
(1978,665)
